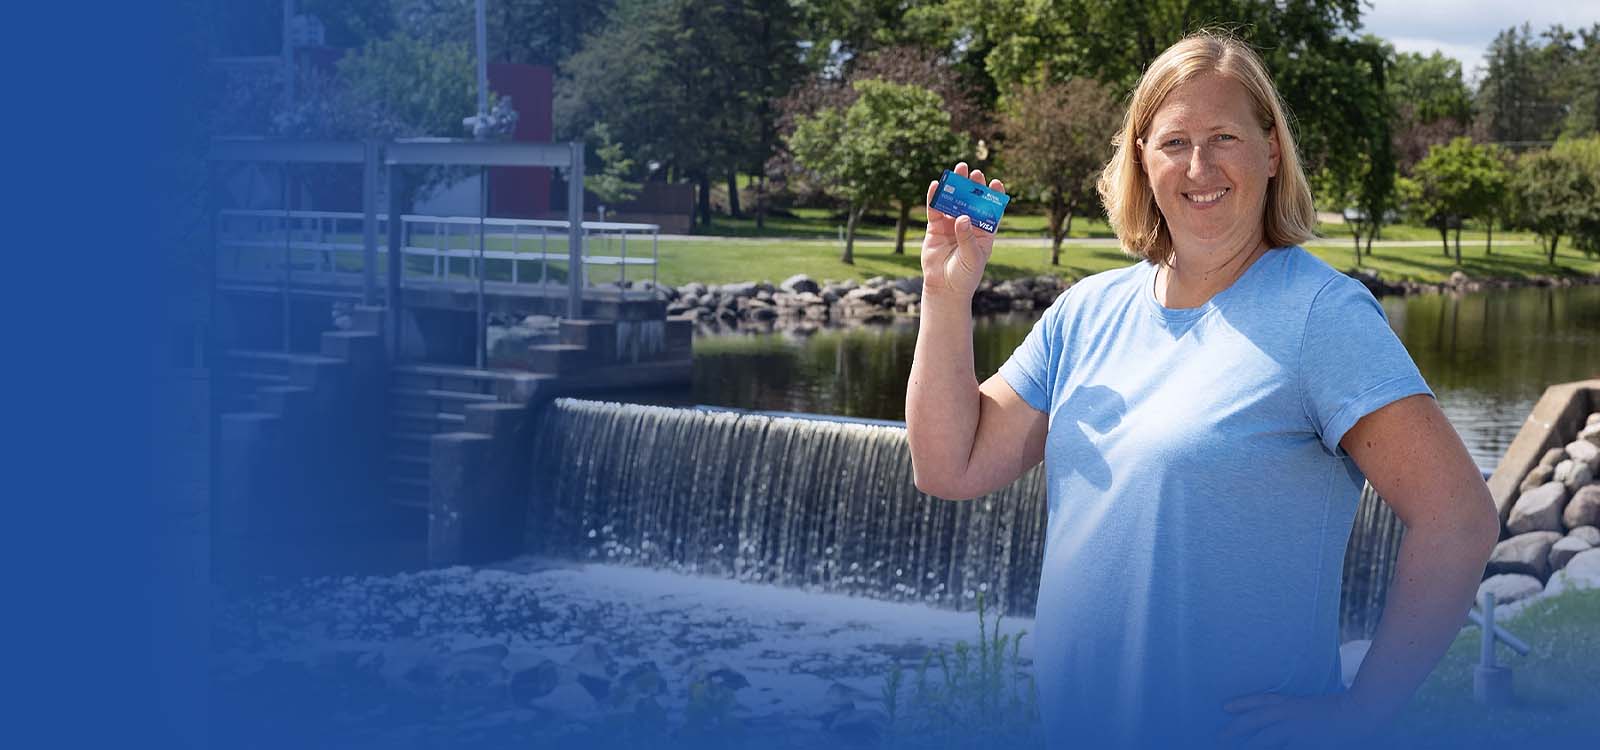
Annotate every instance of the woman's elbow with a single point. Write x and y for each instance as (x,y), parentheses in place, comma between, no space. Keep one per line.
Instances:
(944,488)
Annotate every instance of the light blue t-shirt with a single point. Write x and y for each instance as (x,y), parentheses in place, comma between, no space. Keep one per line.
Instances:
(1199,503)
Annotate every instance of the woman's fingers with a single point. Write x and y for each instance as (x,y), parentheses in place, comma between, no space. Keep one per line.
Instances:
(961,168)
(932,214)
(997,186)
(977,176)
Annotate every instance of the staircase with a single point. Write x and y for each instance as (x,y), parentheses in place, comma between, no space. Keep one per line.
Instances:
(425,400)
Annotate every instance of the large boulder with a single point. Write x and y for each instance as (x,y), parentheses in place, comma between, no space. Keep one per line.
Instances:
(1588,534)
(1584,452)
(1583,509)
(799,283)
(1536,476)
(1528,554)
(1539,509)
(1510,587)
(1582,572)
(1565,549)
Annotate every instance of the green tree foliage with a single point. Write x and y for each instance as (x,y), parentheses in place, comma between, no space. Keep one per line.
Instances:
(1457,181)
(610,184)
(885,147)
(1537,88)
(682,83)
(1429,104)
(1553,193)
(1332,79)
(1058,137)
(534,32)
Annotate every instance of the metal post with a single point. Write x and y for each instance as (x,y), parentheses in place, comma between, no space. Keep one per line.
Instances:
(655,256)
(288,259)
(482,36)
(622,276)
(369,227)
(396,243)
(482,354)
(1491,684)
(575,232)
(288,50)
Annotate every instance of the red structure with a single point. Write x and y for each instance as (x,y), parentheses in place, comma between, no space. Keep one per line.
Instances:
(523,192)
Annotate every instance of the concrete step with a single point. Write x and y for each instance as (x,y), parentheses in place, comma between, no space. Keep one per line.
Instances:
(598,336)
(424,421)
(408,492)
(560,359)
(434,400)
(252,360)
(407,467)
(443,377)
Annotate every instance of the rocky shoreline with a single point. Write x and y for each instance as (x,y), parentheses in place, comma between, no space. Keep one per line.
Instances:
(801,302)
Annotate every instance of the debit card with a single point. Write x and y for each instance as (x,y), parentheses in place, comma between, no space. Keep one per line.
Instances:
(957,196)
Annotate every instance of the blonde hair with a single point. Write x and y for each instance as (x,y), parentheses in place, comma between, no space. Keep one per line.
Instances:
(1290,216)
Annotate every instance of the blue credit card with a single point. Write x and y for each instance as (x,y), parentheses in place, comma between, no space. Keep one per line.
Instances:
(959,196)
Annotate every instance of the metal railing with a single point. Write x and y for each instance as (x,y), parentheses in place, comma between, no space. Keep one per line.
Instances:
(327,246)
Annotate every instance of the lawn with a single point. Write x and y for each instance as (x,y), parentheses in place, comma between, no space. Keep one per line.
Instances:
(723,259)
(1555,685)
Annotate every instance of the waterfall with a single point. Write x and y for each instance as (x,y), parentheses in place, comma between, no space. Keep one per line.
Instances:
(817,503)
(820,504)
(1369,561)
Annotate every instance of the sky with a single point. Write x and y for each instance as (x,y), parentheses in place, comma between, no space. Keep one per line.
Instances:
(1463,29)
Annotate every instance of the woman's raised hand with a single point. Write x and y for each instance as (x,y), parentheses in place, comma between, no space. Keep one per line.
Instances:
(953,251)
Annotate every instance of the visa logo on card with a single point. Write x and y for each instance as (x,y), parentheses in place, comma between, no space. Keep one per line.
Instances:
(959,196)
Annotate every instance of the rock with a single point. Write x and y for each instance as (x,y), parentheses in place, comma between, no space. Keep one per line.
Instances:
(538,322)
(677,309)
(876,282)
(1510,587)
(1590,433)
(643,680)
(1584,452)
(1565,549)
(799,283)
(1528,554)
(861,727)
(1552,457)
(831,294)
(763,312)
(868,295)
(1351,655)
(1588,534)
(1459,279)
(569,700)
(477,665)
(1539,509)
(764,296)
(909,285)
(693,287)
(1536,476)
(1583,509)
(593,660)
(1580,477)
(718,675)
(765,286)
(738,289)
(1582,572)
(534,683)
(1593,420)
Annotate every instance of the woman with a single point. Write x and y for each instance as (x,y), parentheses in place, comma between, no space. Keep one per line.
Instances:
(1206,416)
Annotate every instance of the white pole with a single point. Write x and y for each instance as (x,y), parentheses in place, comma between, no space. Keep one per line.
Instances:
(483,68)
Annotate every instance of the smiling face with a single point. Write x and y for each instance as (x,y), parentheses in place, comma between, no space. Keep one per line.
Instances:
(1208,161)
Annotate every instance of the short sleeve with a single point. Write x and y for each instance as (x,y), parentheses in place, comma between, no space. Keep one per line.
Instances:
(1351,362)
(1028,370)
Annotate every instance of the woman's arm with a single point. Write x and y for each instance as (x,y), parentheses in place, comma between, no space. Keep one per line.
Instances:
(965,440)
(1415,461)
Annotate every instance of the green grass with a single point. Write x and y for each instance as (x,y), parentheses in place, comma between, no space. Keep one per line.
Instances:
(1556,686)
(718,260)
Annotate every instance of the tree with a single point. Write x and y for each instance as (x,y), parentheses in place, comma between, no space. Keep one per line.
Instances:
(610,184)
(1546,188)
(1058,137)
(1457,181)
(676,81)
(882,148)
(1429,104)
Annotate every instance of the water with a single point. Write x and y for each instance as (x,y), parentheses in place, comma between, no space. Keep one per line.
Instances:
(1488,356)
